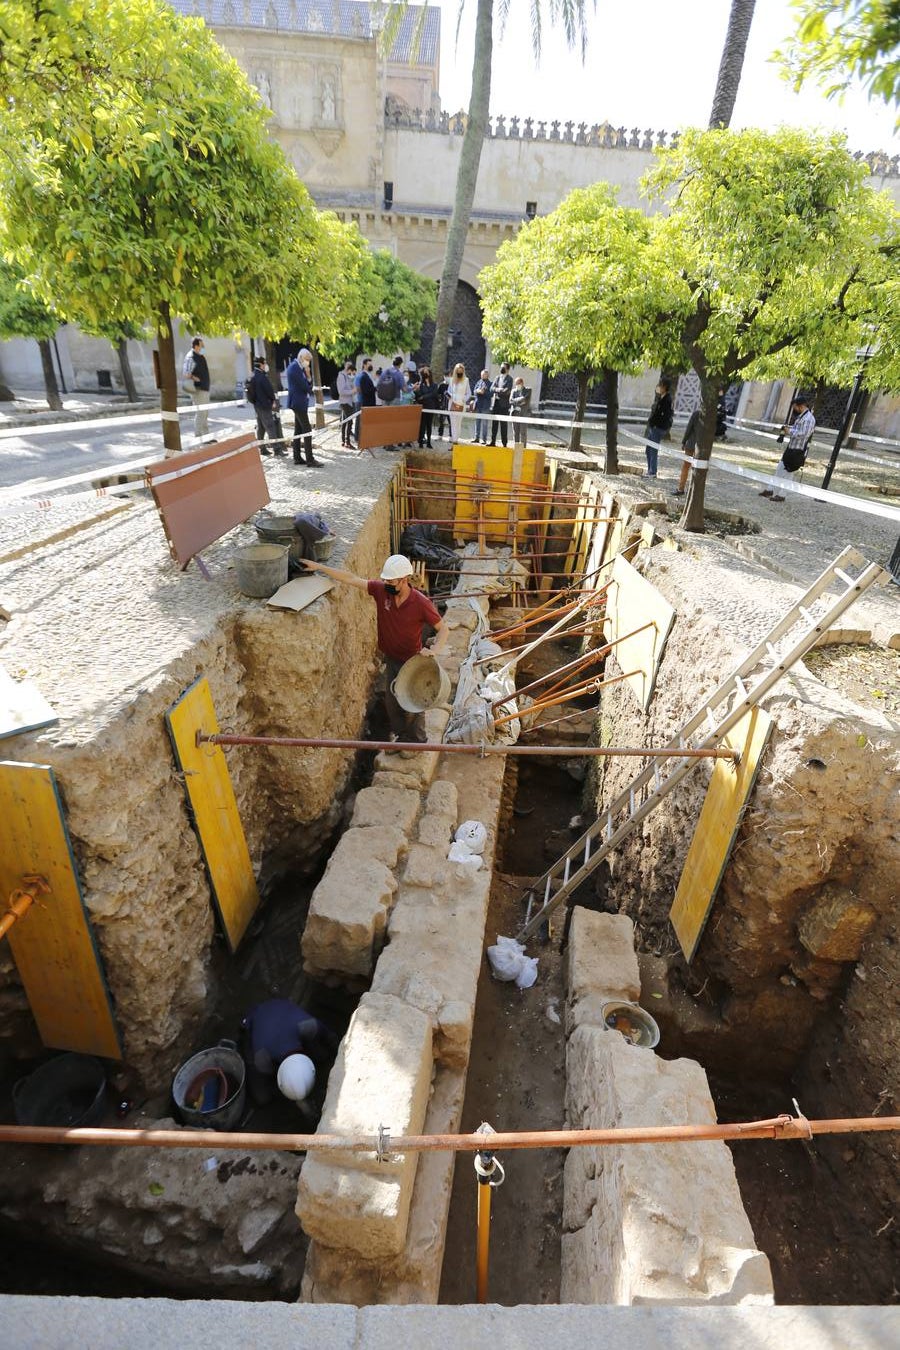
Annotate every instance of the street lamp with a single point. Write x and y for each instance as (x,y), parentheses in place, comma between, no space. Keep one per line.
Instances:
(853,402)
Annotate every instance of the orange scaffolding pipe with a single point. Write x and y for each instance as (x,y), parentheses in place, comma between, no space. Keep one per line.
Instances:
(383,1144)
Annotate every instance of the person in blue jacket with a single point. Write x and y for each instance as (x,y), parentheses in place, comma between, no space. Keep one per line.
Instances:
(275,1029)
(300,388)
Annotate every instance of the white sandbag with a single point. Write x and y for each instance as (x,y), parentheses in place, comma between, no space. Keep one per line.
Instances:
(508,962)
(473,834)
(459,853)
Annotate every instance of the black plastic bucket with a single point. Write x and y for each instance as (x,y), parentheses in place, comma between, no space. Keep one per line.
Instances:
(67,1092)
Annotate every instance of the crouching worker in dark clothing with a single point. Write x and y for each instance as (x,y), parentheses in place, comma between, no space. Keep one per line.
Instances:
(275,1033)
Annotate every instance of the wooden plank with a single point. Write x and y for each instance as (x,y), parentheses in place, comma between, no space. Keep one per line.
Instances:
(214,810)
(53,943)
(202,494)
(631,603)
(726,800)
(390,424)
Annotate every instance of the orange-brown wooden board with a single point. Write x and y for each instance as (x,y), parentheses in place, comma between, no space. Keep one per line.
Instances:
(202,494)
(52,943)
(726,800)
(391,424)
(214,810)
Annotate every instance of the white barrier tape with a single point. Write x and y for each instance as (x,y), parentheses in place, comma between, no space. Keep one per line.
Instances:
(207,464)
(47,503)
(785,485)
(97,423)
(168,416)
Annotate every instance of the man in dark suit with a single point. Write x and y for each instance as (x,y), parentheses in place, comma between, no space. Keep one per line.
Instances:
(300,388)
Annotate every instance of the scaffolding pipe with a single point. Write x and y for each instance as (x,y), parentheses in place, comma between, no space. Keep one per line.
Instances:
(586,659)
(457,748)
(383,1144)
(20,903)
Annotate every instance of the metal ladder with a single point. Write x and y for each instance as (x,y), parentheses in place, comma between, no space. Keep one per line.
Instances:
(713,720)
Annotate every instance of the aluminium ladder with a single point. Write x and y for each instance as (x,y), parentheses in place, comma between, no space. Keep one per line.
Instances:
(713,720)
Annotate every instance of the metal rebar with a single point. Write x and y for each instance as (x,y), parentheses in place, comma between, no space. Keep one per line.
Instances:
(456,748)
(776,1127)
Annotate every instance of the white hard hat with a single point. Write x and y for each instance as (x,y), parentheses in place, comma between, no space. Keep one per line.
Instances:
(395,567)
(296,1077)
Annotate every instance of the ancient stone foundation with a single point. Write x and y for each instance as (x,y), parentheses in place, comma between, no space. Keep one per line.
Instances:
(660,1223)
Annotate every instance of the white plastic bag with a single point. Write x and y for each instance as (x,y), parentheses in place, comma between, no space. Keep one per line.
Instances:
(473,835)
(509,962)
(459,853)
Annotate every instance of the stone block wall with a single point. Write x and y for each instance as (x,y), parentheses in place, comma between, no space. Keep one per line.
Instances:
(378,1229)
(651,1223)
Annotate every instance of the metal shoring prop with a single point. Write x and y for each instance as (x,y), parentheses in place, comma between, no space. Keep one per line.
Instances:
(486,1168)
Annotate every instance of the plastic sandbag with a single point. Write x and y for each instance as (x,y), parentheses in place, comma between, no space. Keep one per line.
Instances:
(473,834)
(459,853)
(509,962)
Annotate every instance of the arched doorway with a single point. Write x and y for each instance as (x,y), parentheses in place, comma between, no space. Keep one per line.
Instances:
(466,338)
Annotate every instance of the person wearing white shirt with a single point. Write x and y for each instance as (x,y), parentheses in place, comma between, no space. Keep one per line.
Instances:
(794,456)
(459,396)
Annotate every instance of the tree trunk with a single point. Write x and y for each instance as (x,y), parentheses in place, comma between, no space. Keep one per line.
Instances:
(319,392)
(584,378)
(168,383)
(466,179)
(611,395)
(732,63)
(692,516)
(50,382)
(272,358)
(125,367)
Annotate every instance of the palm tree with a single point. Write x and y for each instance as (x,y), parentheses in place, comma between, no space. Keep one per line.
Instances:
(732,63)
(570,14)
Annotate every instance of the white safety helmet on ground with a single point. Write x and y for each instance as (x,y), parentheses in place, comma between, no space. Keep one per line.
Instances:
(296,1077)
(395,567)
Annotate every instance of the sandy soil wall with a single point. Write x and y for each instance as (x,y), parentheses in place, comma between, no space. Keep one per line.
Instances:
(270,672)
(800,948)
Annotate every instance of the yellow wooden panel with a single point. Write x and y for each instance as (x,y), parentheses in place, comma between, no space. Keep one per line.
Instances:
(214,809)
(495,462)
(52,943)
(632,603)
(726,798)
(598,541)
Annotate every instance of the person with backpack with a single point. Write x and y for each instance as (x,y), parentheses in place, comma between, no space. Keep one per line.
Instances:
(346,392)
(365,391)
(199,379)
(659,424)
(300,387)
(390,382)
(262,396)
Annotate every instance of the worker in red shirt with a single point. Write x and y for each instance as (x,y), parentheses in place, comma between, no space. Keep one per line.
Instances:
(402,612)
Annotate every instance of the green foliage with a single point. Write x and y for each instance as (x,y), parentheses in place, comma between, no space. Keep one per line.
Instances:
(22,313)
(778,243)
(403,296)
(844,40)
(580,289)
(174,201)
(334,294)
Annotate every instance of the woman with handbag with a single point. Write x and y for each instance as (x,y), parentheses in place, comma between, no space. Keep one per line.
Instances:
(459,396)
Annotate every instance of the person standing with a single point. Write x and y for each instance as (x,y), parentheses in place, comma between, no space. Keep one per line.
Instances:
(658,424)
(200,394)
(346,392)
(459,395)
(427,398)
(688,445)
(441,420)
(520,407)
(482,394)
(365,391)
(794,456)
(402,612)
(299,383)
(264,399)
(501,392)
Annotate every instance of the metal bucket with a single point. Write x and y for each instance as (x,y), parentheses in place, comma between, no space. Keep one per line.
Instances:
(261,568)
(421,684)
(225,1057)
(632,1022)
(275,529)
(324,547)
(67,1091)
